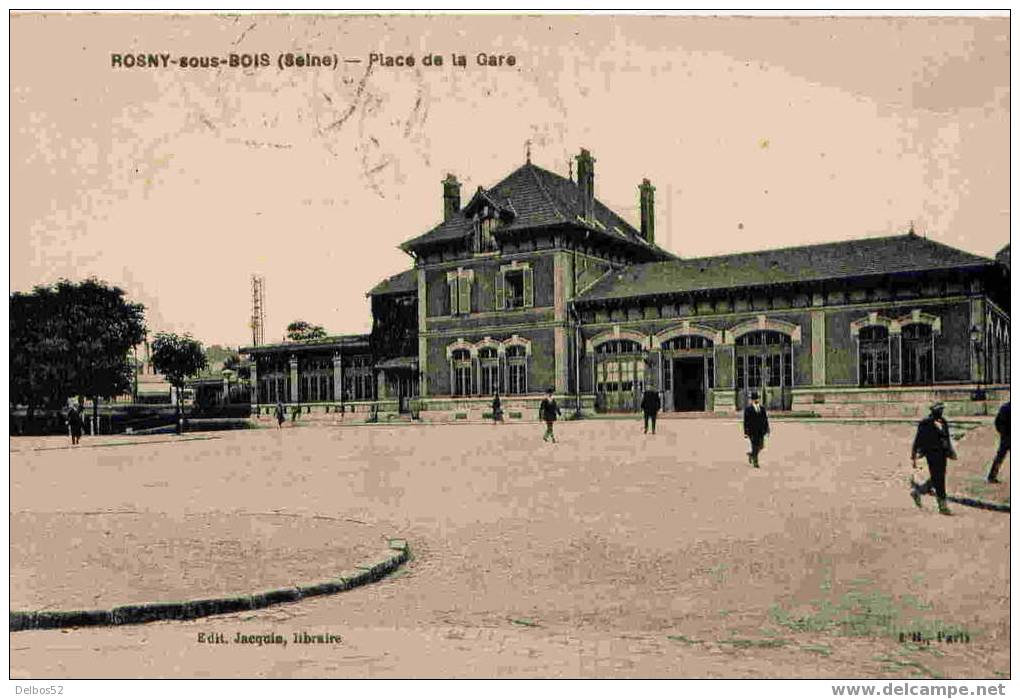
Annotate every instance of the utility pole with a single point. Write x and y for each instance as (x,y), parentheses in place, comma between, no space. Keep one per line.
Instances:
(258,313)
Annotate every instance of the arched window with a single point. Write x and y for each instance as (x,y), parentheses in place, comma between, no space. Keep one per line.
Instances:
(619,374)
(488,360)
(687,342)
(517,369)
(764,358)
(996,348)
(462,384)
(918,354)
(873,355)
(618,347)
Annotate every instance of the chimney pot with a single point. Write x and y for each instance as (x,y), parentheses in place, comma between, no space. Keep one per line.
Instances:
(647,197)
(451,197)
(586,181)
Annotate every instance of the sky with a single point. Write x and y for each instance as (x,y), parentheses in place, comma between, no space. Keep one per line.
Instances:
(177,184)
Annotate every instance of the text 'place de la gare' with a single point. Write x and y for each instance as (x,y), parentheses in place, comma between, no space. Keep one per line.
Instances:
(534,283)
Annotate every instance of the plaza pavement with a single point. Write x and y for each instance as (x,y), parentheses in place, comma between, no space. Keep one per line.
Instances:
(607,554)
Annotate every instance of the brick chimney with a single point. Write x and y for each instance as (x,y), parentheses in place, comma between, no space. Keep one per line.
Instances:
(647,196)
(586,181)
(451,197)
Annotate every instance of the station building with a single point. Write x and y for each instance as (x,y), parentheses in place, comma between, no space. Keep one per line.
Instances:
(534,283)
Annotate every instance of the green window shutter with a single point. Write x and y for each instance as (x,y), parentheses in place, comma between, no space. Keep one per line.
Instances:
(500,291)
(452,281)
(465,294)
(529,288)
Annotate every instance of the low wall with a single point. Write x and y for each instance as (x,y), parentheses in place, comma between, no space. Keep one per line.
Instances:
(347,412)
(515,408)
(898,401)
(438,409)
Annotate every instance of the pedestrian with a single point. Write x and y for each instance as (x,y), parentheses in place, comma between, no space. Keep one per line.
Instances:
(935,445)
(1002,425)
(756,426)
(497,409)
(548,411)
(650,405)
(74,424)
(281,415)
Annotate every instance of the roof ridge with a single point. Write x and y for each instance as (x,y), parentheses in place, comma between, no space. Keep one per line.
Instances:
(788,248)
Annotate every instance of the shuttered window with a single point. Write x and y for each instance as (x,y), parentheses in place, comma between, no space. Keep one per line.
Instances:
(515,287)
(459,283)
(500,291)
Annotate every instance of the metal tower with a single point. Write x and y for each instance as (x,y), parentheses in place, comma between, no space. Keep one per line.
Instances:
(258,312)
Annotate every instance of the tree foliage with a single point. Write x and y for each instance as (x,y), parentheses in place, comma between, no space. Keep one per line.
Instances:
(177,357)
(301,330)
(217,356)
(72,339)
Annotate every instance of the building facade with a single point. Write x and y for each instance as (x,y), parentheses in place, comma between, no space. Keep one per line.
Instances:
(536,284)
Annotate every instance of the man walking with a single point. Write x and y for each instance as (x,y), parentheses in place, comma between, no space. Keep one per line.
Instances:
(74,424)
(280,414)
(933,443)
(756,426)
(548,411)
(497,409)
(650,405)
(1002,425)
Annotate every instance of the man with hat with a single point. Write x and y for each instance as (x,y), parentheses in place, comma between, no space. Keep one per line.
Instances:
(650,406)
(934,444)
(548,411)
(756,426)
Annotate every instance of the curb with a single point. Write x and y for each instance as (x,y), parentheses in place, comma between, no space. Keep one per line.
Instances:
(979,504)
(396,555)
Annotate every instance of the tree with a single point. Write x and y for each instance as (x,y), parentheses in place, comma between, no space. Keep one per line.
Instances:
(301,330)
(39,367)
(177,357)
(217,356)
(101,327)
(236,365)
(72,339)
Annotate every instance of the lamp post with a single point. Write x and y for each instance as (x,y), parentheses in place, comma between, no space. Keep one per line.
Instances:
(977,340)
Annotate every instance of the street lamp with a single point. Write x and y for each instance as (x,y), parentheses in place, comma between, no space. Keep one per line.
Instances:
(977,341)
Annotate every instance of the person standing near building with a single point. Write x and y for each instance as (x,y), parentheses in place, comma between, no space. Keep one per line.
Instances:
(1002,425)
(756,426)
(281,415)
(497,409)
(74,424)
(548,411)
(650,405)
(932,441)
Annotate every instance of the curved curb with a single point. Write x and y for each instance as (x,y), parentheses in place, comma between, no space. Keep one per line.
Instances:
(980,504)
(164,611)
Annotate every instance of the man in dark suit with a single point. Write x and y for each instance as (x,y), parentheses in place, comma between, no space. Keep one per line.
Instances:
(74,424)
(1002,425)
(756,426)
(933,443)
(548,411)
(650,405)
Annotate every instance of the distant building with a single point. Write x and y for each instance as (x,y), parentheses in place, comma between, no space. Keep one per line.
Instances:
(536,283)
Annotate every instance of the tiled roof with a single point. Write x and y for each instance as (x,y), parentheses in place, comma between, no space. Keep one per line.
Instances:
(397,284)
(851,258)
(332,341)
(535,198)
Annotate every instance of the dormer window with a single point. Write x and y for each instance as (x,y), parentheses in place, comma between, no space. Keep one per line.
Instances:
(484,225)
